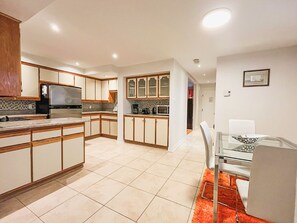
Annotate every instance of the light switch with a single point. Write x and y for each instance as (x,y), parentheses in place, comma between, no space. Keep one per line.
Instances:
(227,93)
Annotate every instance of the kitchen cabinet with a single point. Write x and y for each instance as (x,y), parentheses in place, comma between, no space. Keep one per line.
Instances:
(66,78)
(162,132)
(105,127)
(113,128)
(131,87)
(95,125)
(98,91)
(30,82)
(46,158)
(109,125)
(113,85)
(10,57)
(90,89)
(139,129)
(141,87)
(104,90)
(147,130)
(164,86)
(152,83)
(129,128)
(73,154)
(49,76)
(87,125)
(81,82)
(150,131)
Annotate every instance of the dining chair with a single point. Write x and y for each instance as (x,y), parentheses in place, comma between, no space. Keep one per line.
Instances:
(271,192)
(241,127)
(236,170)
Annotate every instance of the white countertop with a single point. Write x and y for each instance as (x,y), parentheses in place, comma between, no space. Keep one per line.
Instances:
(29,124)
(150,115)
(25,115)
(99,112)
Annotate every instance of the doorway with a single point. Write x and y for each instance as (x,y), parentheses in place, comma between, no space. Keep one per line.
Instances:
(190,107)
(208,105)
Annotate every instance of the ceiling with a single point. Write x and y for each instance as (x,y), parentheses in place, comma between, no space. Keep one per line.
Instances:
(144,31)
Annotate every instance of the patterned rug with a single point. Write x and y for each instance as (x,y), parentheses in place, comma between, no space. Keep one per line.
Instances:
(227,201)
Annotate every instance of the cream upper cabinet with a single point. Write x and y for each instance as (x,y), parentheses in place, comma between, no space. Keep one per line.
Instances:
(129,128)
(164,86)
(150,131)
(104,90)
(81,82)
(162,132)
(49,76)
(131,87)
(98,90)
(113,85)
(90,89)
(141,87)
(66,78)
(152,83)
(30,81)
(139,129)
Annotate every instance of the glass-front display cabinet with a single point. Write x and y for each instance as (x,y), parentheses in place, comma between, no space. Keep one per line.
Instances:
(163,86)
(141,87)
(152,86)
(131,88)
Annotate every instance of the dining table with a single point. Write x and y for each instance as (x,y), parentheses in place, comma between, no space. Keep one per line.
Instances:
(228,148)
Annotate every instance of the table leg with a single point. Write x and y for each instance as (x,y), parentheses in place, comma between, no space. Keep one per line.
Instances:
(215,190)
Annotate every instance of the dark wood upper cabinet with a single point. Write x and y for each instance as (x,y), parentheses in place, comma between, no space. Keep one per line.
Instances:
(10,57)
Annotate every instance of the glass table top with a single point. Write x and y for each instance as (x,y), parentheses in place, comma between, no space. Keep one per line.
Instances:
(229,148)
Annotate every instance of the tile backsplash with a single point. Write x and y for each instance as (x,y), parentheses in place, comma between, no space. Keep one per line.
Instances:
(149,103)
(17,107)
(89,106)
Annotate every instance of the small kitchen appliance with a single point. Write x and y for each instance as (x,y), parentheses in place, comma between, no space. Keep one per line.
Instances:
(162,109)
(145,111)
(134,108)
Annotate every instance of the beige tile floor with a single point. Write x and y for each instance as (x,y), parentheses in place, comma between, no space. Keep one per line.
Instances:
(121,183)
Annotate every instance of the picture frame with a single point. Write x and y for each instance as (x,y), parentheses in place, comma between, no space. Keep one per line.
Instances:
(256,78)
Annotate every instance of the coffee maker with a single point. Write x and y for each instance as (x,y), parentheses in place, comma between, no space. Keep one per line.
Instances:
(134,108)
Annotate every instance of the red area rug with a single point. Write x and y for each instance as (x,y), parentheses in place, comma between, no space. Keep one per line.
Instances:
(227,196)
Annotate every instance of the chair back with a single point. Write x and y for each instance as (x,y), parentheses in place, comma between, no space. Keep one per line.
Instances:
(207,143)
(241,127)
(272,187)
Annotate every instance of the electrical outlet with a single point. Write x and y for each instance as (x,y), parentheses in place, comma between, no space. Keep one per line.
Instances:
(90,106)
(30,106)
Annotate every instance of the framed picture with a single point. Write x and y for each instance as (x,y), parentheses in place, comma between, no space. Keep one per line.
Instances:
(256,78)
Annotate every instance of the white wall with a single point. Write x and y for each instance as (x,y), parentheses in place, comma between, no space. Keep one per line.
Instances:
(274,108)
(202,88)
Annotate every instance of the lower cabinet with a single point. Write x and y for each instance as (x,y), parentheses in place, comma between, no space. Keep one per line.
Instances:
(109,125)
(88,128)
(47,158)
(105,127)
(95,127)
(15,169)
(73,153)
(148,130)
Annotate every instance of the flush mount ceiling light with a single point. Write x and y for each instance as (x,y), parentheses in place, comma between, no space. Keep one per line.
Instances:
(55,27)
(77,63)
(114,56)
(203,75)
(197,62)
(216,18)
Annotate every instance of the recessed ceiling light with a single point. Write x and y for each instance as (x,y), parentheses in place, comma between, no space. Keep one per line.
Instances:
(114,56)
(208,81)
(77,63)
(203,75)
(55,27)
(216,18)
(199,65)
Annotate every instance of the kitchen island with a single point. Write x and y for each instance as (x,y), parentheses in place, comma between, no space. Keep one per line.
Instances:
(35,150)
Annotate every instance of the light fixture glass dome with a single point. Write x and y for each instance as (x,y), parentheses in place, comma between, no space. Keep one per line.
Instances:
(216,18)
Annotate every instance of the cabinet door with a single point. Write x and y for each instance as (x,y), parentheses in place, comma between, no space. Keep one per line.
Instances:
(164,86)
(152,86)
(113,85)
(15,169)
(150,131)
(73,150)
(98,90)
(46,157)
(131,88)
(162,132)
(66,78)
(139,129)
(81,82)
(90,89)
(95,127)
(113,128)
(104,90)
(49,76)
(87,128)
(105,127)
(141,87)
(30,81)
(129,128)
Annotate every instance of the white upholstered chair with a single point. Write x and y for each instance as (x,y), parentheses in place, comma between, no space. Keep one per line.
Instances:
(236,170)
(271,192)
(241,127)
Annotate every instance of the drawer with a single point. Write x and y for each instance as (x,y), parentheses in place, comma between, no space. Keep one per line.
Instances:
(86,117)
(73,129)
(46,133)
(110,117)
(11,139)
(95,116)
